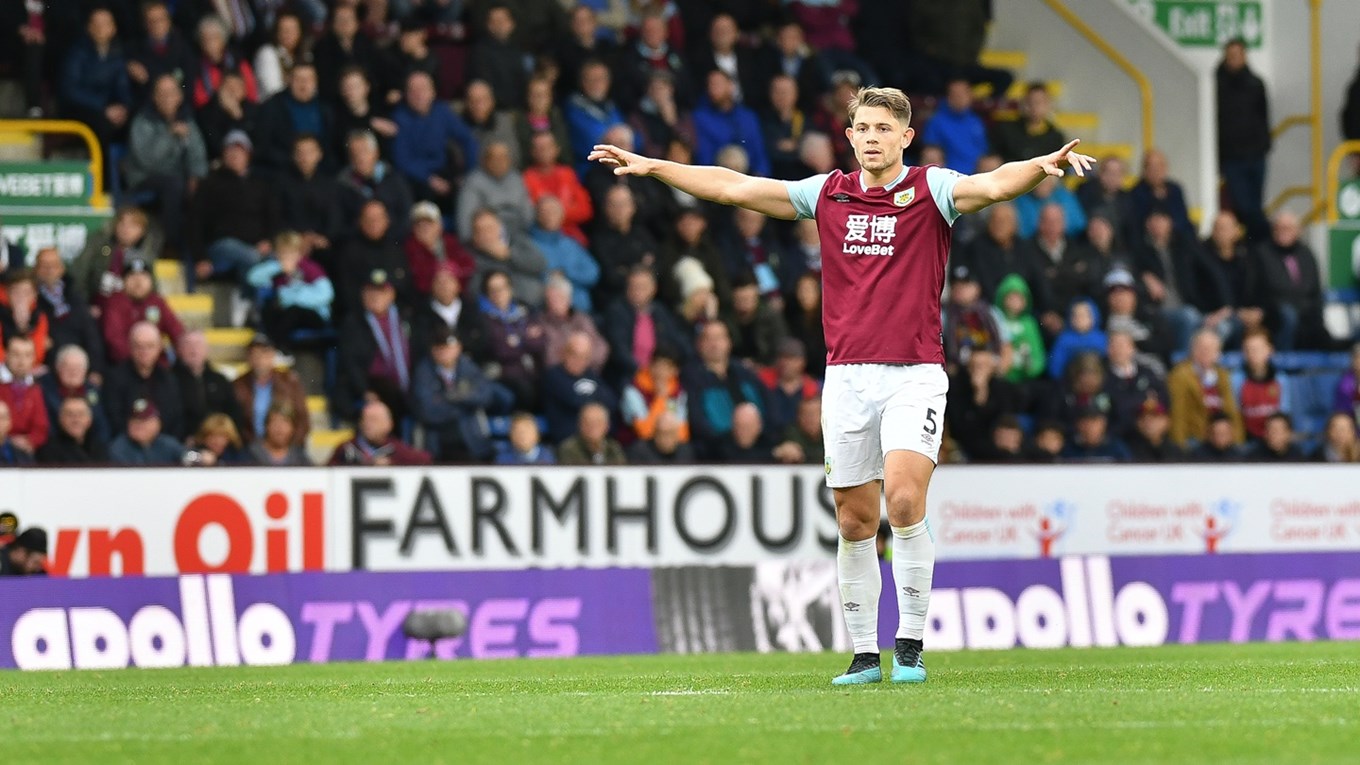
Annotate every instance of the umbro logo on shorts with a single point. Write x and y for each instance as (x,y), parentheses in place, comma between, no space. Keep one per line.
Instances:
(852,606)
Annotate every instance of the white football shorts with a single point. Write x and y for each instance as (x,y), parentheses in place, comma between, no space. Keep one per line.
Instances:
(869,410)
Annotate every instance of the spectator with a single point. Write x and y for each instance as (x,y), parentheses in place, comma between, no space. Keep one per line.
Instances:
(1176,276)
(411,51)
(662,117)
(74,441)
(590,111)
(229,110)
(143,443)
(293,293)
(425,128)
(163,50)
(218,63)
(27,425)
(137,302)
(1200,387)
(802,440)
(567,387)
(98,271)
(70,378)
(490,125)
(794,58)
(1101,253)
(1339,444)
(216,442)
(309,200)
(368,178)
(144,376)
(449,398)
(1150,442)
(755,326)
(1105,196)
(94,82)
(495,247)
(429,247)
(26,555)
(1220,443)
(784,127)
(541,115)
(1156,191)
(25,51)
(524,448)
(360,110)
(1050,439)
(620,242)
(447,310)
(1081,387)
(584,43)
(1083,334)
(1092,441)
(665,447)
(970,324)
(563,254)
(649,58)
(720,121)
(1346,398)
(746,443)
(538,23)
(343,48)
(375,351)
(547,177)
(654,393)
(1058,260)
(788,383)
(498,187)
(1277,442)
(497,60)
(1032,135)
(13,256)
(717,384)
(278,446)
(515,341)
(1260,388)
(1008,442)
(233,216)
(999,252)
(1291,275)
(950,35)
(561,320)
(591,444)
(653,199)
(204,390)
(289,114)
(1142,323)
(691,241)
(69,321)
(958,129)
(264,387)
(978,398)
(1247,302)
(1018,325)
(20,315)
(375,248)
(1243,135)
(742,66)
(755,247)
(1050,192)
(166,154)
(1130,383)
(1350,111)
(636,325)
(374,444)
(699,301)
(274,61)
(12,453)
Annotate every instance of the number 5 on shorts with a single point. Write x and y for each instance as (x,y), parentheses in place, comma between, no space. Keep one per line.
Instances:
(931,426)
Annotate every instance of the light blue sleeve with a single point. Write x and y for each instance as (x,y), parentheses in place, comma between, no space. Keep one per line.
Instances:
(941,183)
(803,194)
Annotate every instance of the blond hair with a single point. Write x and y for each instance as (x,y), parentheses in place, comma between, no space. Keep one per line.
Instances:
(289,241)
(215,424)
(892,99)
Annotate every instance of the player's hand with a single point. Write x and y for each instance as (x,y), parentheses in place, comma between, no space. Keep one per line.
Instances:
(623,162)
(1053,163)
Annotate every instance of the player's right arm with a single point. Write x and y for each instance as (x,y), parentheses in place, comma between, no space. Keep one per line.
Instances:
(716,184)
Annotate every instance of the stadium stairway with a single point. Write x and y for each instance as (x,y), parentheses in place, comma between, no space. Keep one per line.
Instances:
(210,309)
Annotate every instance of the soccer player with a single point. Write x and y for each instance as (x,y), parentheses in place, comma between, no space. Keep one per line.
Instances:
(885,233)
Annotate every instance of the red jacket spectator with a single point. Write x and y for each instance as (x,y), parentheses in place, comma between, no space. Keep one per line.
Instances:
(374,443)
(561,182)
(122,312)
(423,261)
(28,414)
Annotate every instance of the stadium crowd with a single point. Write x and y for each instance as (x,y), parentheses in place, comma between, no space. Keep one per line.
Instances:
(401,186)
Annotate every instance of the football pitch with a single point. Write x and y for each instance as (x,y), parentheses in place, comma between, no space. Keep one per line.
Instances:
(1297,703)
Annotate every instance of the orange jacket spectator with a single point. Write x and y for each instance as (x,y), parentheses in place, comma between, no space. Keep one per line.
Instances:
(643,404)
(1195,395)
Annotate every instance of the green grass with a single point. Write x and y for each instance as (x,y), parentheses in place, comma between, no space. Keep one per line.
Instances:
(1228,703)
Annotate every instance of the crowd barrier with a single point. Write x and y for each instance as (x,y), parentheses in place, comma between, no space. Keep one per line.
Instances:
(778,605)
(253,520)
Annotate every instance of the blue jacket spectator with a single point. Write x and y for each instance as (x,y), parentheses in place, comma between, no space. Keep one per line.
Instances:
(571,385)
(1156,191)
(449,396)
(1051,190)
(716,384)
(957,129)
(94,78)
(291,280)
(524,448)
(424,129)
(1083,333)
(565,254)
(289,114)
(720,121)
(143,443)
(590,112)
(1092,443)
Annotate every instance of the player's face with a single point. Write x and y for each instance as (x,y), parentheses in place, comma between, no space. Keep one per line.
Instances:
(878,138)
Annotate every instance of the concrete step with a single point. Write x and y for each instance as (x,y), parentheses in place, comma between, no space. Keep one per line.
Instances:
(1103,150)
(1014,60)
(322,443)
(228,345)
(194,311)
(170,277)
(319,412)
(1016,92)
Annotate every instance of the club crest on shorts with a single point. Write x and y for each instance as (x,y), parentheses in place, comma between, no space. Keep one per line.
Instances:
(904,198)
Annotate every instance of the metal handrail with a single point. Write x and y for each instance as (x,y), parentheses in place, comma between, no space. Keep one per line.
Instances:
(98,199)
(1339,154)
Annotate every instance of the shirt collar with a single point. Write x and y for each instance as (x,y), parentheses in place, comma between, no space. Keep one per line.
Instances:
(889,187)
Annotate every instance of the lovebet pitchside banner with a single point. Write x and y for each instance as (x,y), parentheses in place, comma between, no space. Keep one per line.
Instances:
(254,520)
(1075,601)
(223,620)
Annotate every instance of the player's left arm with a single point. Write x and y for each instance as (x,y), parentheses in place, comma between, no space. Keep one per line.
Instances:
(1013,179)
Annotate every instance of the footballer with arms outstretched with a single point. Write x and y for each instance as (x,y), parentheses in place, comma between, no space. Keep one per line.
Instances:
(885,232)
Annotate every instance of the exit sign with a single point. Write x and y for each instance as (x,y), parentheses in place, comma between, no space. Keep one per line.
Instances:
(1205,23)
